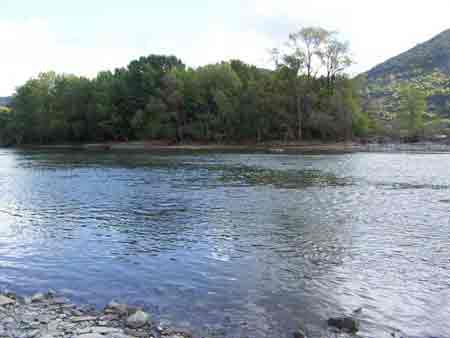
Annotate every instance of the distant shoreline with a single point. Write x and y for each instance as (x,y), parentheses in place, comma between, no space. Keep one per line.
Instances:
(200,147)
(269,148)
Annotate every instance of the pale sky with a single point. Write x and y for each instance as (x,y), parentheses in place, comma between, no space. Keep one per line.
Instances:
(86,36)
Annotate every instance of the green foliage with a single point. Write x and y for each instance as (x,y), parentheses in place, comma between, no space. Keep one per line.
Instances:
(157,97)
(413,106)
(425,67)
(362,124)
(5,110)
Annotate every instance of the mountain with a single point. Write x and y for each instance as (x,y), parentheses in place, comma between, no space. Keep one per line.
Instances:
(5,101)
(426,66)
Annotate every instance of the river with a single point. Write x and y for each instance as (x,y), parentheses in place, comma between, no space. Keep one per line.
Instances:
(235,245)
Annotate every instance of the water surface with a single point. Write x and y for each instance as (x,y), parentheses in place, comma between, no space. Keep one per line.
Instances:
(235,245)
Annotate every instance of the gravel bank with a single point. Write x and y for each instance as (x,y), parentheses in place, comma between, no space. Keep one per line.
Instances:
(50,316)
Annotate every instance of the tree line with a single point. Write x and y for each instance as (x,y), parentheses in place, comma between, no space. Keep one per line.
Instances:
(307,95)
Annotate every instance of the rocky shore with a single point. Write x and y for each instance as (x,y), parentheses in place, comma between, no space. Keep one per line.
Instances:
(50,316)
(47,315)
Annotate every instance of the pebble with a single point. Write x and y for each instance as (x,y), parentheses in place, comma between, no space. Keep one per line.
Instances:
(45,315)
(139,319)
(38,297)
(114,307)
(6,301)
(346,324)
(118,335)
(84,319)
(105,330)
(299,334)
(90,335)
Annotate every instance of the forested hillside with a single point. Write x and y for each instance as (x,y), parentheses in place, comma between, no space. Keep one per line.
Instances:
(423,71)
(306,95)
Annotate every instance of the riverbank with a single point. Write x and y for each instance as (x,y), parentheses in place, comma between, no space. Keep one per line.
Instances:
(199,147)
(47,315)
(50,316)
(271,148)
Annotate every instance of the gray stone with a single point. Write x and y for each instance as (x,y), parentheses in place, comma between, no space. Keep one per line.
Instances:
(346,324)
(300,334)
(90,335)
(108,317)
(85,330)
(38,297)
(114,307)
(53,326)
(6,301)
(118,335)
(103,323)
(32,334)
(44,319)
(51,292)
(139,319)
(105,330)
(134,333)
(75,312)
(84,319)
(59,300)
(156,333)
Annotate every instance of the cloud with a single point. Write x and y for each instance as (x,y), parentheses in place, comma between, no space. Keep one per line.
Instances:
(377,30)
(32,46)
(219,43)
(243,29)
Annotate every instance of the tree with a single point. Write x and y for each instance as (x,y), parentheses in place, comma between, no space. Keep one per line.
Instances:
(304,49)
(413,105)
(156,97)
(309,43)
(335,57)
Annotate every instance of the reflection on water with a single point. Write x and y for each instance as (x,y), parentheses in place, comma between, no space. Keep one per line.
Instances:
(234,244)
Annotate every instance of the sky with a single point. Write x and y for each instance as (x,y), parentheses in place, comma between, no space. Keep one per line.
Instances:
(86,36)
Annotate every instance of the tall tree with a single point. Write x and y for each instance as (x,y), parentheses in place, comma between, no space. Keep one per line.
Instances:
(310,42)
(335,57)
(413,105)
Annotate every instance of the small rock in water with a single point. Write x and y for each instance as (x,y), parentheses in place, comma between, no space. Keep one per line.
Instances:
(346,324)
(300,334)
(51,293)
(155,333)
(358,311)
(115,307)
(6,301)
(139,319)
